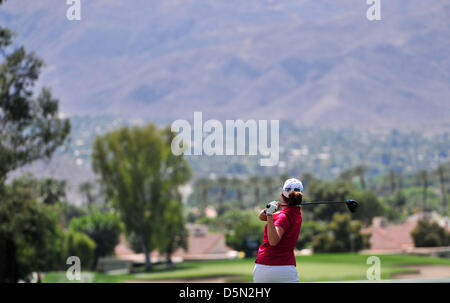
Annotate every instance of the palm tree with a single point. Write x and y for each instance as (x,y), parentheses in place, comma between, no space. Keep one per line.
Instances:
(347,175)
(268,183)
(399,180)
(359,171)
(284,177)
(441,173)
(86,189)
(53,190)
(308,178)
(392,181)
(236,183)
(223,186)
(254,182)
(422,176)
(202,187)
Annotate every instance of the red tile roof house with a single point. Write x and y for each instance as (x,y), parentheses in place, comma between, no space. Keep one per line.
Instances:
(396,238)
(203,245)
(390,238)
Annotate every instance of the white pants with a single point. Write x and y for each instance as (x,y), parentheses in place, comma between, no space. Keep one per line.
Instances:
(275,274)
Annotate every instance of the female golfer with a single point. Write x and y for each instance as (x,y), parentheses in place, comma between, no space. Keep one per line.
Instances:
(276,261)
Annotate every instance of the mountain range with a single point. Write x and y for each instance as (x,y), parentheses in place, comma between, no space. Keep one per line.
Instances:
(316,63)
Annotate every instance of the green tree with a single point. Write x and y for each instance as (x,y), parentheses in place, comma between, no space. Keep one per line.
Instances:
(173,232)
(309,231)
(202,187)
(307,179)
(236,183)
(172,223)
(395,206)
(135,242)
(414,197)
(87,191)
(67,212)
(227,221)
(29,126)
(430,234)
(329,191)
(104,229)
(52,191)
(246,236)
(255,183)
(369,206)
(341,235)
(422,178)
(223,184)
(268,183)
(82,246)
(347,175)
(392,181)
(360,171)
(399,200)
(140,174)
(29,130)
(30,238)
(441,172)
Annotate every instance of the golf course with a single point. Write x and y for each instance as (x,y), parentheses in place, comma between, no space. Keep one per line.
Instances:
(154,146)
(320,268)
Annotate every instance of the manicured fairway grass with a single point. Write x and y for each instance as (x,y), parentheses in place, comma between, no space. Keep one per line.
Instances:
(321,267)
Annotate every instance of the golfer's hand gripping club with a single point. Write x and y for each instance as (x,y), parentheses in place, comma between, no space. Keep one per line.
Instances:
(272,207)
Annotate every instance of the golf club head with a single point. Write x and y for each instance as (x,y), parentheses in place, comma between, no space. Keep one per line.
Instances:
(352,205)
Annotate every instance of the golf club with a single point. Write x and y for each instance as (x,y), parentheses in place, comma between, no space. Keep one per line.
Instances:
(352,205)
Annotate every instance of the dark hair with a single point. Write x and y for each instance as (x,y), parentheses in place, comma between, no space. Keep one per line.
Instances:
(295,198)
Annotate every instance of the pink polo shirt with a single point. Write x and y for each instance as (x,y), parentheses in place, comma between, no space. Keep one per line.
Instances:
(290,219)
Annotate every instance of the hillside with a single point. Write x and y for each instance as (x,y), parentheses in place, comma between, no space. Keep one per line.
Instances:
(323,152)
(316,63)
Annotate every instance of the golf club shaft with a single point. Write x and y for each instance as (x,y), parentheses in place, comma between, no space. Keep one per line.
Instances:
(323,202)
(318,202)
(351,204)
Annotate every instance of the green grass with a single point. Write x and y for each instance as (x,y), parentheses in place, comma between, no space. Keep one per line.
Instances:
(321,267)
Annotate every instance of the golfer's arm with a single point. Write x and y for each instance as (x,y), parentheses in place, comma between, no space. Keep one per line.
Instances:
(274,233)
(262,215)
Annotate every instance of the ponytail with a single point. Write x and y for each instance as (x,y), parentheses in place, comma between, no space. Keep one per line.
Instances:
(295,198)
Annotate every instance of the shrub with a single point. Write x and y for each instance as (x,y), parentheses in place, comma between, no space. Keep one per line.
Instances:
(246,236)
(308,233)
(429,234)
(328,191)
(341,235)
(30,238)
(104,229)
(368,207)
(80,245)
